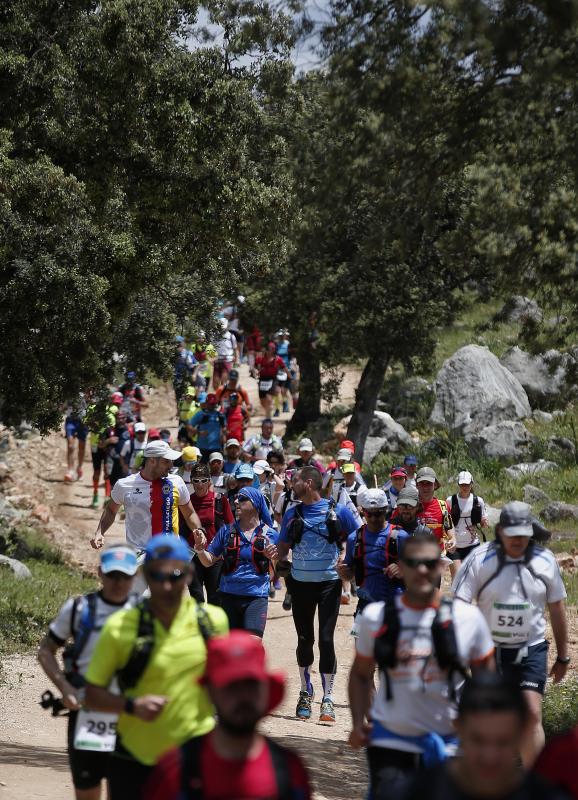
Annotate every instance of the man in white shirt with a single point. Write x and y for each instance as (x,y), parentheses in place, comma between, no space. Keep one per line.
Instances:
(469,515)
(258,447)
(152,500)
(227,356)
(512,580)
(408,723)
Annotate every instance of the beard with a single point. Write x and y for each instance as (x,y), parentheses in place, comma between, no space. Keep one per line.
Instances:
(242,724)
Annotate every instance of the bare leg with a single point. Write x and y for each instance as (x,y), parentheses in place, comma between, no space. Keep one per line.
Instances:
(533,737)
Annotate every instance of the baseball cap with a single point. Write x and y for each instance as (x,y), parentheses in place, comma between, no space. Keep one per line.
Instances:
(410,460)
(347,444)
(140,427)
(306,445)
(244,471)
(179,339)
(166,546)
(189,454)
(154,433)
(465,477)
(408,496)
(202,397)
(344,454)
(118,558)
(346,468)
(131,375)
(398,472)
(239,656)
(373,498)
(216,456)
(427,474)
(261,466)
(191,391)
(233,373)
(516,519)
(117,398)
(211,398)
(231,442)
(160,449)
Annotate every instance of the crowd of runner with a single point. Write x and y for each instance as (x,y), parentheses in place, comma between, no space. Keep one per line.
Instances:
(164,674)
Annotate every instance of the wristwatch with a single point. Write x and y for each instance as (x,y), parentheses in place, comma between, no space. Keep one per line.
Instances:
(561,660)
(129,706)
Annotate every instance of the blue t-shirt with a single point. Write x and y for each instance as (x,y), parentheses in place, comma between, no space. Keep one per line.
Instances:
(212,422)
(314,558)
(245,580)
(229,467)
(376,586)
(283,352)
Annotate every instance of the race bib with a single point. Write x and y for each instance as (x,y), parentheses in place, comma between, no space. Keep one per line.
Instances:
(510,622)
(264,386)
(95,731)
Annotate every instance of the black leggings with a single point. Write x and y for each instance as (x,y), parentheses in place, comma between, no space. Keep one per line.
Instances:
(208,577)
(307,597)
(127,777)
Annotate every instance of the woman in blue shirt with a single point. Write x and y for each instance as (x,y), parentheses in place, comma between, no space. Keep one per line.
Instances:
(247,548)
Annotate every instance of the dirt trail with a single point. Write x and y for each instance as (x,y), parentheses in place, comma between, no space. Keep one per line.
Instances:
(33,761)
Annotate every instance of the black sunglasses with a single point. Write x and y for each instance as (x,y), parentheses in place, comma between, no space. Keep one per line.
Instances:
(379,513)
(160,577)
(116,575)
(414,563)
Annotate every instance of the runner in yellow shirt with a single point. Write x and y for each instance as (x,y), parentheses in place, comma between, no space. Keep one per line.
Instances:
(161,704)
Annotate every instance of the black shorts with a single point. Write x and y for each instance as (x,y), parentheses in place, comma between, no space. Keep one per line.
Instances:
(271,390)
(99,459)
(460,553)
(532,671)
(88,767)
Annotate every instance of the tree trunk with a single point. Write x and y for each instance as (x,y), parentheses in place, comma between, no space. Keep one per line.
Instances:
(309,406)
(366,396)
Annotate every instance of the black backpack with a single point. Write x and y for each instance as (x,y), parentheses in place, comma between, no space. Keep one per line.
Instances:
(445,645)
(476,510)
(129,675)
(361,549)
(335,531)
(80,638)
(233,549)
(191,781)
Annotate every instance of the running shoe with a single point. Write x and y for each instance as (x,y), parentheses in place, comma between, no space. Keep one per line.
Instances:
(94,503)
(69,477)
(345,598)
(277,584)
(303,710)
(79,473)
(327,710)
(271,591)
(287,602)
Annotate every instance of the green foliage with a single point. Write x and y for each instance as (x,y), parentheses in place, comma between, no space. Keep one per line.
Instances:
(561,707)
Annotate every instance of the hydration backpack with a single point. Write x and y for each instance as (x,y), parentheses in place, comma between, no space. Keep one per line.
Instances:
(476,510)
(360,551)
(335,531)
(86,625)
(233,549)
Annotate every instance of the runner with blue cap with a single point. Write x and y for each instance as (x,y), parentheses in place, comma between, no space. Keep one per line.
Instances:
(247,548)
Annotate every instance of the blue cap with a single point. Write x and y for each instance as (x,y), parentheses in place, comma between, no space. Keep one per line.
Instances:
(179,339)
(202,397)
(167,546)
(118,558)
(245,471)
(131,375)
(411,460)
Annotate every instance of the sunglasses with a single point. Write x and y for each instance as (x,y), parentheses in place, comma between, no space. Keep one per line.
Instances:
(115,575)
(161,577)
(374,513)
(200,480)
(414,563)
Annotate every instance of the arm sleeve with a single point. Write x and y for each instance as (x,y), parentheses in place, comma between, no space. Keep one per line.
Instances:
(347,519)
(464,585)
(482,643)
(285,523)
(556,589)
(369,622)
(217,546)
(117,494)
(59,628)
(349,548)
(184,495)
(196,418)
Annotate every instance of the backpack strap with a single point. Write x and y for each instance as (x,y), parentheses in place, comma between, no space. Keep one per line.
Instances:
(218,512)
(455,512)
(129,675)
(445,645)
(385,649)
(280,763)
(191,779)
(85,626)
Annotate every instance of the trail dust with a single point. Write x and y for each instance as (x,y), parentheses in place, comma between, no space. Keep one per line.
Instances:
(33,759)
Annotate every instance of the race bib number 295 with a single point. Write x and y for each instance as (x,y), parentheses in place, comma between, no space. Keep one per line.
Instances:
(95,731)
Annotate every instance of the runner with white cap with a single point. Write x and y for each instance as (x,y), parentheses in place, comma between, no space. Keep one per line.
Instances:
(218,478)
(512,580)
(469,515)
(232,453)
(152,499)
(305,458)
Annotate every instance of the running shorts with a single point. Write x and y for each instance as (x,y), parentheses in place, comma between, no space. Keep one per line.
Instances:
(532,671)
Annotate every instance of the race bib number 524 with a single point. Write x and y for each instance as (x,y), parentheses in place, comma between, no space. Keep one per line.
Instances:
(510,622)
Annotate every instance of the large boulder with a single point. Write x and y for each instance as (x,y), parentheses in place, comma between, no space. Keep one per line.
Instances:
(19,569)
(533,494)
(473,390)
(547,378)
(505,441)
(554,512)
(530,468)
(385,435)
(520,309)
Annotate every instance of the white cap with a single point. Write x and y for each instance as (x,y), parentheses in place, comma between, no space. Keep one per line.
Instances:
(240,298)
(465,477)
(140,427)
(261,466)
(160,449)
(216,457)
(306,444)
(231,442)
(344,455)
(373,498)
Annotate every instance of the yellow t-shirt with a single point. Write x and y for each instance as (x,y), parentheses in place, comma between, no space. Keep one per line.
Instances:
(177,661)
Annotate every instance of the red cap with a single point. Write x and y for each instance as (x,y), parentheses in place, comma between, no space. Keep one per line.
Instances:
(154,433)
(347,444)
(212,399)
(239,656)
(398,472)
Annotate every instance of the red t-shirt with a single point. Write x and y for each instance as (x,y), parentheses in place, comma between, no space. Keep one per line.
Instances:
(431,514)
(557,762)
(235,417)
(268,368)
(205,508)
(223,393)
(225,779)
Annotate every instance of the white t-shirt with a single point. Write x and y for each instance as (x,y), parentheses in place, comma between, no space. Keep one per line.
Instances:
(420,701)
(281,502)
(144,502)
(218,482)
(466,533)
(61,630)
(514,602)
(259,447)
(225,347)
